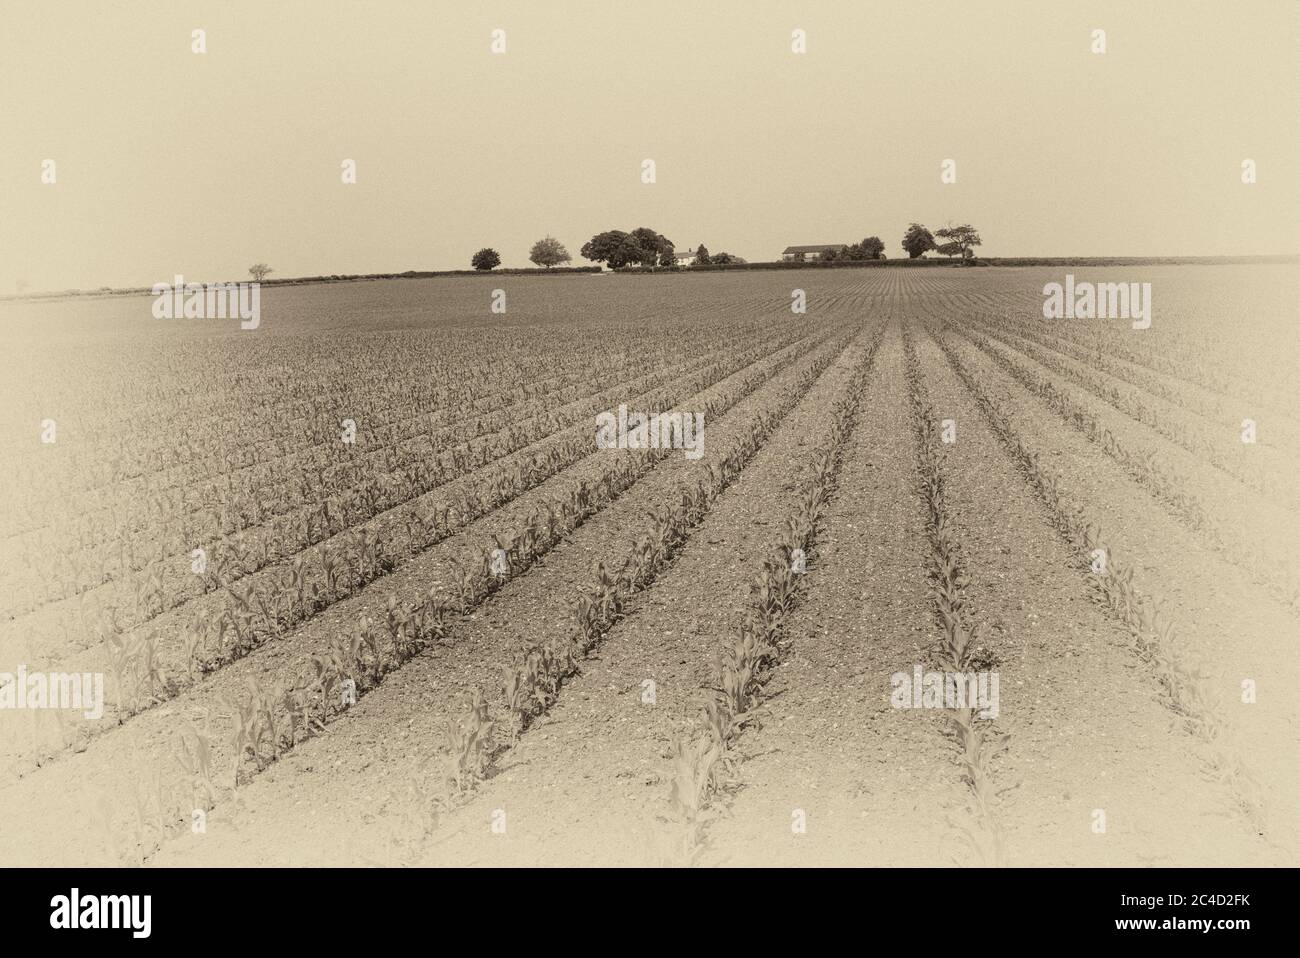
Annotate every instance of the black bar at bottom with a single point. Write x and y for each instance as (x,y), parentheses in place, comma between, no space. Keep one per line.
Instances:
(350,908)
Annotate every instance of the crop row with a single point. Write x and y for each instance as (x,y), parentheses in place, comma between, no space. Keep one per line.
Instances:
(174,451)
(1182,363)
(269,721)
(1144,378)
(1142,466)
(319,502)
(704,755)
(128,507)
(260,399)
(1213,449)
(416,520)
(979,745)
(236,499)
(266,403)
(391,412)
(1155,638)
(533,683)
(361,556)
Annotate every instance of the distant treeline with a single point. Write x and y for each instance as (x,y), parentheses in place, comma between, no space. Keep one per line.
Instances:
(426,274)
(1060,261)
(983,261)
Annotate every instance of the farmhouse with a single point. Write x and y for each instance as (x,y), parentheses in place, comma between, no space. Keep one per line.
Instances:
(685,257)
(808,252)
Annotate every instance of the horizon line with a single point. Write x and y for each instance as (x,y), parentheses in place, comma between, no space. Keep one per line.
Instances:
(1090,260)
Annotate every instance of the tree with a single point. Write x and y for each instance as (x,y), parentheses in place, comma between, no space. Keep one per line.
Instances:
(831,255)
(726,259)
(702,257)
(654,246)
(259,271)
(869,248)
(485,259)
(917,240)
(961,240)
(872,248)
(613,247)
(549,252)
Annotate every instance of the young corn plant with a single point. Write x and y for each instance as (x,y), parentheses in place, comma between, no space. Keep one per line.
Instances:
(696,755)
(978,745)
(468,740)
(194,754)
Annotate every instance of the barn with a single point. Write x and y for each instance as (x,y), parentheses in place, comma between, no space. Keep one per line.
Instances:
(808,252)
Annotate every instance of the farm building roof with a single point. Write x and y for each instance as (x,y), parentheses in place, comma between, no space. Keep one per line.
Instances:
(811,249)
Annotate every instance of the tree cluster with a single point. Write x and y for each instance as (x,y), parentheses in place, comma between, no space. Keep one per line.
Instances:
(870,248)
(646,247)
(704,258)
(643,246)
(960,241)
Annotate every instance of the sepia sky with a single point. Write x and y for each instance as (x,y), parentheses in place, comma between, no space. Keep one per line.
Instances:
(172,162)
